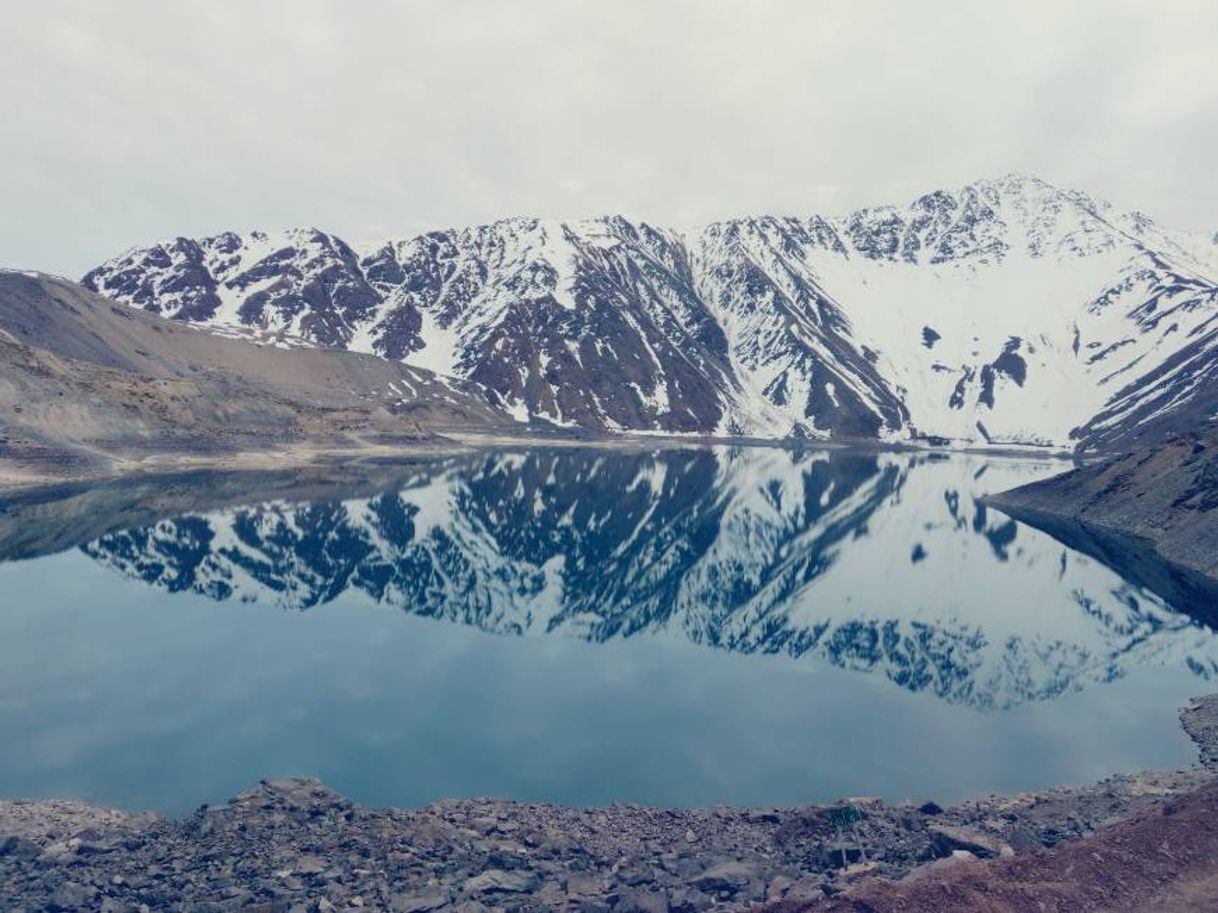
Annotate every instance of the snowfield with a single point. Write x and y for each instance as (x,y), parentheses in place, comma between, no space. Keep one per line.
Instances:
(1006,313)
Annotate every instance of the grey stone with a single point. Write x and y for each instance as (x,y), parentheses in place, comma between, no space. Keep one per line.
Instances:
(581,885)
(72,895)
(763,816)
(688,900)
(727,877)
(497,881)
(20,848)
(309,865)
(947,838)
(418,903)
(778,887)
(642,901)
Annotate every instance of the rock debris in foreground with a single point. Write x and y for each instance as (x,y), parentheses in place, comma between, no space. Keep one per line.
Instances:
(296,846)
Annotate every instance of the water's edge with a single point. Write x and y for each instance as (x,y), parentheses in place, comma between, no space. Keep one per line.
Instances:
(295,841)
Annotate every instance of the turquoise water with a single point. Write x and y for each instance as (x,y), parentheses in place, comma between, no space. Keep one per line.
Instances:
(693,626)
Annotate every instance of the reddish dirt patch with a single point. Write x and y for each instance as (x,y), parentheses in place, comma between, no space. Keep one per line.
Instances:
(1164,859)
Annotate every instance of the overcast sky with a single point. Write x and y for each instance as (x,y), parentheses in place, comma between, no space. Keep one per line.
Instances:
(122,123)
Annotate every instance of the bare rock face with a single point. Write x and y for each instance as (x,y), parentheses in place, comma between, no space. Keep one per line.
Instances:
(1162,499)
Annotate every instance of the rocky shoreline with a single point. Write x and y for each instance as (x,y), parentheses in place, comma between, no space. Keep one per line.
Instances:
(296,846)
(1153,512)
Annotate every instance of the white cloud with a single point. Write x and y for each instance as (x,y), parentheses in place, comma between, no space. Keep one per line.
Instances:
(127,122)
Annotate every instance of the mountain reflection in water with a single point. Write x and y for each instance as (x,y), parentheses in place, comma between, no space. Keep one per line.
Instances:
(878,562)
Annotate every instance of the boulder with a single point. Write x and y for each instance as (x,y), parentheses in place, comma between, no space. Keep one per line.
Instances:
(497,881)
(73,896)
(418,903)
(947,838)
(642,901)
(20,848)
(309,865)
(726,877)
(688,900)
(580,884)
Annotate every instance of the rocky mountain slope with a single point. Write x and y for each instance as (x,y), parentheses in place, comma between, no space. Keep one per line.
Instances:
(84,380)
(1006,312)
(1162,499)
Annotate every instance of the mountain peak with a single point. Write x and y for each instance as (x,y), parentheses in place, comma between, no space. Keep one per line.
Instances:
(1018,182)
(959,317)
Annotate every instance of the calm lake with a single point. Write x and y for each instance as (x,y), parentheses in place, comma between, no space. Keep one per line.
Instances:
(746,626)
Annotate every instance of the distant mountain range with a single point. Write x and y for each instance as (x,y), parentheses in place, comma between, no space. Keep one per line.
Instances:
(1008,312)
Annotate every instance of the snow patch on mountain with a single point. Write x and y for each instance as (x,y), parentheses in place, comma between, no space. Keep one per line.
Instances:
(1009,312)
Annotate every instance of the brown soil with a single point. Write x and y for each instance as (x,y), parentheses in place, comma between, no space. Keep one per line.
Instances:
(1163,859)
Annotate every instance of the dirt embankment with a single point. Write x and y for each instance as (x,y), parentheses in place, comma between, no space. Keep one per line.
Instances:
(1162,858)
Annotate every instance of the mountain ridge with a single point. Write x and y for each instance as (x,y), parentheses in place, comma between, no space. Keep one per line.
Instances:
(89,384)
(1008,312)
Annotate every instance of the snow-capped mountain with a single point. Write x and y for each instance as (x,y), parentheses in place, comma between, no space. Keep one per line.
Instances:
(1007,312)
(884,563)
